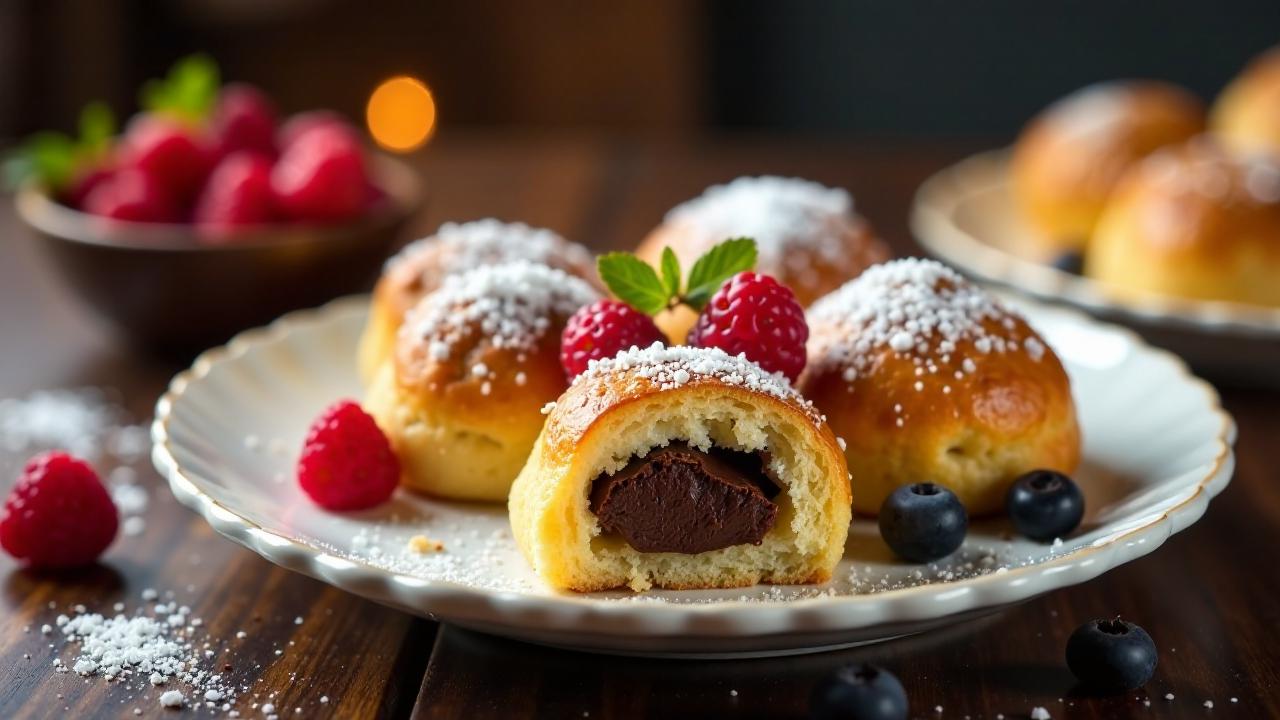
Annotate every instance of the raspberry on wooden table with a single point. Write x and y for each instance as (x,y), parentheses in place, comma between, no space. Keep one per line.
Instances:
(754,315)
(601,330)
(347,462)
(58,514)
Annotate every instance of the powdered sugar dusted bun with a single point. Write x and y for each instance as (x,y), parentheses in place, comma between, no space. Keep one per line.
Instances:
(625,411)
(807,235)
(928,378)
(1070,156)
(1194,220)
(422,265)
(474,363)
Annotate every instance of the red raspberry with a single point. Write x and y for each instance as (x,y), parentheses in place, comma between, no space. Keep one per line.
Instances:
(320,177)
(169,152)
(244,119)
(299,124)
(347,463)
(131,195)
(238,194)
(58,514)
(602,330)
(83,184)
(754,315)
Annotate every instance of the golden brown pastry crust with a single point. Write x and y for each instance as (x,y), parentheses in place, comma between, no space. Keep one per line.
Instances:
(461,403)
(1246,115)
(966,418)
(455,248)
(1194,221)
(812,257)
(1070,156)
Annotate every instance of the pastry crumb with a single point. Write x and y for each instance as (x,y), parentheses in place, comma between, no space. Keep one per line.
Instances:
(423,544)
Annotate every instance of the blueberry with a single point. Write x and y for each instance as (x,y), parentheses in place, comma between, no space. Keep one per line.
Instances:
(923,522)
(1111,655)
(1070,261)
(1044,504)
(859,692)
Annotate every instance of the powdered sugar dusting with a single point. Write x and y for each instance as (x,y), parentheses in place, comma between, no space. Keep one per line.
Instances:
(673,367)
(794,222)
(465,246)
(512,305)
(914,307)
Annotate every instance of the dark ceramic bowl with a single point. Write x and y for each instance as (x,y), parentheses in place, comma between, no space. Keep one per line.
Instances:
(167,291)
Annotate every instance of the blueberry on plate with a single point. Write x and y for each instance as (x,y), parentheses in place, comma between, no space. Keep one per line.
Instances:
(1070,261)
(1111,655)
(859,692)
(923,522)
(1044,504)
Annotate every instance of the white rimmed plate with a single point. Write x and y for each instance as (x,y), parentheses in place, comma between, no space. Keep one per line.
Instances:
(1157,447)
(966,216)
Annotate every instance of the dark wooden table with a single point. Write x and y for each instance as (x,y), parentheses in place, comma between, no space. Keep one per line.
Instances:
(1210,597)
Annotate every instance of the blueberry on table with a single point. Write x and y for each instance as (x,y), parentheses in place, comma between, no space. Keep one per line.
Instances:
(1071,261)
(1111,655)
(923,522)
(859,692)
(1044,504)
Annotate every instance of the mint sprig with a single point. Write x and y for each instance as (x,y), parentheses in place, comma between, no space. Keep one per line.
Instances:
(637,284)
(188,92)
(54,159)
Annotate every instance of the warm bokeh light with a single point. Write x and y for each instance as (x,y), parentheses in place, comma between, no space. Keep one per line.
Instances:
(401,114)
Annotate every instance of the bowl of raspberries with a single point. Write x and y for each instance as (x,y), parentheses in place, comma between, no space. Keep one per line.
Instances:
(208,212)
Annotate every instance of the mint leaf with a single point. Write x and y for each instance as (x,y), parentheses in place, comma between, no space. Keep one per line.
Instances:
(718,264)
(670,272)
(633,282)
(188,91)
(47,158)
(97,127)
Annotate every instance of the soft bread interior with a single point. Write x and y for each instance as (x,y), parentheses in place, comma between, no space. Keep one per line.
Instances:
(562,538)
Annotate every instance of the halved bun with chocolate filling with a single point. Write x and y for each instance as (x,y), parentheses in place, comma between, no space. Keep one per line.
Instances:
(681,468)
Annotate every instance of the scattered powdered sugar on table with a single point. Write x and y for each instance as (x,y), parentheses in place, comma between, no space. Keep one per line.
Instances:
(917,308)
(513,305)
(459,247)
(88,423)
(159,648)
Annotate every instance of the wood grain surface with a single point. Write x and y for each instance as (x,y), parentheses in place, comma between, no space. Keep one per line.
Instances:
(1210,597)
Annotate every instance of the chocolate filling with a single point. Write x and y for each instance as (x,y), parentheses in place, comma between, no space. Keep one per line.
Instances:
(683,500)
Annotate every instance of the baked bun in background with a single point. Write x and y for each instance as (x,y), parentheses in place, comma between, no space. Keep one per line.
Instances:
(422,265)
(474,363)
(929,379)
(808,236)
(630,456)
(1070,156)
(1194,221)
(1246,115)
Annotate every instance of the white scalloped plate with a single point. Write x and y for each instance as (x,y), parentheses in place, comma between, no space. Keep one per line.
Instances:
(1157,446)
(965,215)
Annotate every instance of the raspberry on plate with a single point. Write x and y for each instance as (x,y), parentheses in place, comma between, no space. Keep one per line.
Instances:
(238,194)
(244,119)
(601,330)
(58,514)
(132,195)
(320,177)
(347,462)
(754,315)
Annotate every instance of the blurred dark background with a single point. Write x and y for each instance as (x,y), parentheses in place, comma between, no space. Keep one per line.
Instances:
(657,67)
